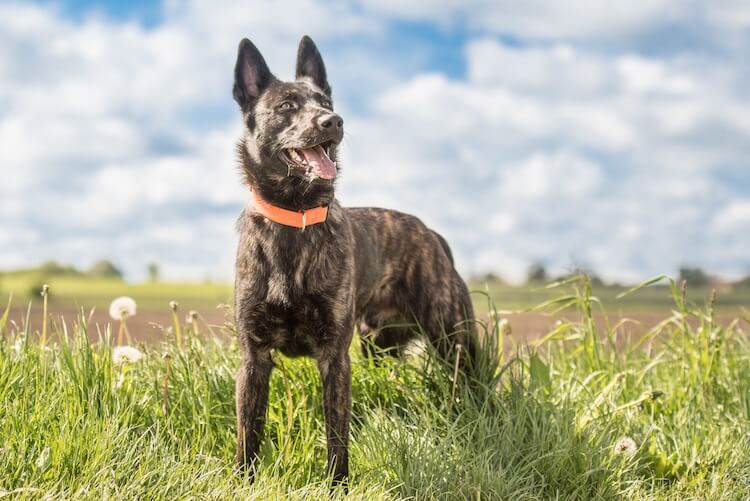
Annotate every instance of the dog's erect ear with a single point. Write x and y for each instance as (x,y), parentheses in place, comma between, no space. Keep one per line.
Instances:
(251,75)
(310,64)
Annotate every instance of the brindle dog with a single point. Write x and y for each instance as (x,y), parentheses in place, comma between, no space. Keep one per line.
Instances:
(302,290)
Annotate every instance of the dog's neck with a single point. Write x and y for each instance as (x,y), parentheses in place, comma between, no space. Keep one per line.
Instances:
(287,192)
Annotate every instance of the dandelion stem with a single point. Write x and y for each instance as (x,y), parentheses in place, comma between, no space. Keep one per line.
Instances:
(455,371)
(207,325)
(45,294)
(120,333)
(165,382)
(176,323)
(194,322)
(127,332)
(123,331)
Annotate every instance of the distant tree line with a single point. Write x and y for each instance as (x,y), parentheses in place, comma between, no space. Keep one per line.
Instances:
(104,268)
(537,274)
(694,276)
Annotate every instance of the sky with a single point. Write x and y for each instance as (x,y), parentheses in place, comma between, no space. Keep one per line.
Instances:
(609,136)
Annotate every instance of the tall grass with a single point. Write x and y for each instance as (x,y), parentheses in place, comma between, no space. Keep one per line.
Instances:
(531,422)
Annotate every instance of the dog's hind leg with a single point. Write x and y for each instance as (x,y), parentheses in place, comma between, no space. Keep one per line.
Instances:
(451,324)
(367,340)
(252,400)
(388,338)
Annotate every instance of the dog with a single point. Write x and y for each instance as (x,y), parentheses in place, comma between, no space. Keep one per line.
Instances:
(309,270)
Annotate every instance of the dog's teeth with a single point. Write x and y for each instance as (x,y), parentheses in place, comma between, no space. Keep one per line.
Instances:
(295,156)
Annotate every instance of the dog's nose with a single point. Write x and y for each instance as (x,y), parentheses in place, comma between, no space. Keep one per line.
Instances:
(331,122)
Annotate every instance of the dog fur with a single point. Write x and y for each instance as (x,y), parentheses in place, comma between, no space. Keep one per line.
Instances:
(302,292)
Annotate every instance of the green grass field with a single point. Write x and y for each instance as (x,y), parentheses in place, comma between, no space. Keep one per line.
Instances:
(538,422)
(98,292)
(155,296)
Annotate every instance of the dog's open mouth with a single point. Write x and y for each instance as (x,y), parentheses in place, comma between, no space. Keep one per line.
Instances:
(313,161)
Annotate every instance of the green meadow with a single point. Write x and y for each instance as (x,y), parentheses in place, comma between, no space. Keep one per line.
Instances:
(581,413)
(85,291)
(98,292)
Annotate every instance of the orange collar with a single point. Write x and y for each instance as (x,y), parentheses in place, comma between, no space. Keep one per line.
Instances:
(295,219)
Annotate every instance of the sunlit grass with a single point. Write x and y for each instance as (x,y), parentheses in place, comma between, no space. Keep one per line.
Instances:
(98,292)
(541,422)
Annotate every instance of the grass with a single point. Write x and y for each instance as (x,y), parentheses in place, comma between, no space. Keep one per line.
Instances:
(98,292)
(537,422)
(656,299)
(75,290)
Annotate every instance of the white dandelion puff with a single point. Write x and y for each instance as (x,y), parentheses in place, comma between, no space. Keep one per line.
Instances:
(626,446)
(42,462)
(126,354)
(122,306)
(191,317)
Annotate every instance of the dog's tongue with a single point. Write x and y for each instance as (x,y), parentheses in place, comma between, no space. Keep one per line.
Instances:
(321,165)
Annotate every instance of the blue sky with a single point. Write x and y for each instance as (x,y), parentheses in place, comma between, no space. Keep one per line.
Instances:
(144,12)
(614,137)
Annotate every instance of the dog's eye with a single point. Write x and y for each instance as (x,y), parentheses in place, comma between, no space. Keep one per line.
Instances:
(286,105)
(327,104)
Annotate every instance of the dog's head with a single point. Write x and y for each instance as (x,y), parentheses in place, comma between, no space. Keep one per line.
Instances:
(291,130)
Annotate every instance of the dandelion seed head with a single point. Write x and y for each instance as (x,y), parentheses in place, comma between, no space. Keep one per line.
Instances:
(504,327)
(45,289)
(626,446)
(126,354)
(42,462)
(122,306)
(174,305)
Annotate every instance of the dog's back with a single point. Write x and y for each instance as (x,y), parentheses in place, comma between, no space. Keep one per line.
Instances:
(406,282)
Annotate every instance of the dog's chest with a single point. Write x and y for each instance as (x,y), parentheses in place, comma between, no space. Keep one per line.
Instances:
(298,328)
(292,293)
(288,317)
(294,289)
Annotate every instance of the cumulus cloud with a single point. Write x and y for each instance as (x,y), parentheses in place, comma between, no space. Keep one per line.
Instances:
(569,156)
(568,140)
(109,128)
(617,23)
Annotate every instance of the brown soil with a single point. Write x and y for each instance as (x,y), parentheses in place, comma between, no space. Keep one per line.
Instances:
(147,326)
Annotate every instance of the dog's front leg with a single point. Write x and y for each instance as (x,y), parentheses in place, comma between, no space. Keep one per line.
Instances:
(252,400)
(336,375)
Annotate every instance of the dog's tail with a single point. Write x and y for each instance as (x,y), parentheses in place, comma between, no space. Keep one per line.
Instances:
(444,245)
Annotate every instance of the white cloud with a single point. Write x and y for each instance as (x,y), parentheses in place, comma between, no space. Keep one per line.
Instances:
(572,147)
(94,136)
(734,217)
(598,160)
(559,176)
(577,20)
